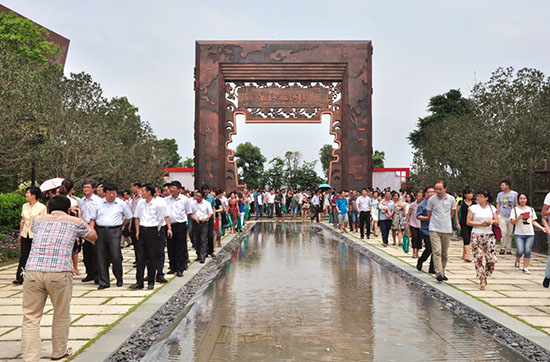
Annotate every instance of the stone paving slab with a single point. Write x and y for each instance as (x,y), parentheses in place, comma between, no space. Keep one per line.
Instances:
(519,294)
(92,311)
(77,332)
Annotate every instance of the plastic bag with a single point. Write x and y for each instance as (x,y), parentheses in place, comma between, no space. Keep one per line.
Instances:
(406,242)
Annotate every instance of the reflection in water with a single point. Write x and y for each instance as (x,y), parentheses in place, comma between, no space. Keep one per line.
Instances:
(294,293)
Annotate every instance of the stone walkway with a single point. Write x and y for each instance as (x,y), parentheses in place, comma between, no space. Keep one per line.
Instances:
(92,311)
(510,290)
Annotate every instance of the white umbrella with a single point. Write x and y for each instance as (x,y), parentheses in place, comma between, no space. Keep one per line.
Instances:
(51,184)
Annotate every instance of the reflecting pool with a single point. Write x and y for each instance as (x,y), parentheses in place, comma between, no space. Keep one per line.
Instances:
(295,293)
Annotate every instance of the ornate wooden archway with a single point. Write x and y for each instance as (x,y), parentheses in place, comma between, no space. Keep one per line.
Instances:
(282,82)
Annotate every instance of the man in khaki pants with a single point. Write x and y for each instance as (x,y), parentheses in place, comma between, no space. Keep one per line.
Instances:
(49,272)
(441,209)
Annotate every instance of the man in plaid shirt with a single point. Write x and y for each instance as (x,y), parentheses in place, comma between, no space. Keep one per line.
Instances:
(49,272)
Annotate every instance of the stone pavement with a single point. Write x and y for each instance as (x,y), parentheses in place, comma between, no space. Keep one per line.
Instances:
(520,295)
(93,311)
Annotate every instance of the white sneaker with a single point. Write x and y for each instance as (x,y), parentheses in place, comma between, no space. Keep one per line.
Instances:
(526,271)
(516,264)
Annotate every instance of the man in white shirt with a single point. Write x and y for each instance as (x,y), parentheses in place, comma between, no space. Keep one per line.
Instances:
(135,187)
(150,215)
(87,205)
(270,203)
(364,207)
(159,197)
(109,217)
(507,199)
(316,202)
(259,204)
(178,208)
(441,209)
(200,212)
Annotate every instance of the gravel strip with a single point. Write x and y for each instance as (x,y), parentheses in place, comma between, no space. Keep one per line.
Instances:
(139,342)
(503,335)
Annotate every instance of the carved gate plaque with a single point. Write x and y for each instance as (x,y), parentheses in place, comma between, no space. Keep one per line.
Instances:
(275,97)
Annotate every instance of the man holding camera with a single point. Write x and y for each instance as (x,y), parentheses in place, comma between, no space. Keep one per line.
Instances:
(201,213)
(49,272)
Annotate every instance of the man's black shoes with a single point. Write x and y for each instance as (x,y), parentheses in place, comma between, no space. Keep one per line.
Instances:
(179,274)
(439,278)
(151,286)
(136,286)
(445,278)
(171,272)
(88,278)
(101,287)
(119,283)
(419,265)
(162,280)
(546,282)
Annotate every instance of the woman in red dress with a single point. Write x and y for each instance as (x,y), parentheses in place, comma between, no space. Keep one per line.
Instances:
(233,210)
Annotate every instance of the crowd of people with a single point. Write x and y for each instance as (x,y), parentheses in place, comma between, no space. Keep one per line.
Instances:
(161,220)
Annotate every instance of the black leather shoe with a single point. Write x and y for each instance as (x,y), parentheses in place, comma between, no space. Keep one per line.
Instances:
(119,283)
(87,279)
(546,282)
(17,282)
(439,278)
(202,261)
(179,274)
(161,280)
(445,278)
(419,265)
(185,267)
(103,287)
(171,272)
(136,286)
(151,286)
(96,281)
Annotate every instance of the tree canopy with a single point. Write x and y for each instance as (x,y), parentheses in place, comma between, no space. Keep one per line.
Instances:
(64,124)
(24,38)
(485,138)
(325,156)
(250,162)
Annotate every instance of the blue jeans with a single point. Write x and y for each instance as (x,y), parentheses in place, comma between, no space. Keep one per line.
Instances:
(524,244)
(354,217)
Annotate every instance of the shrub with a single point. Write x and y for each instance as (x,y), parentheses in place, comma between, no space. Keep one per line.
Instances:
(9,247)
(10,211)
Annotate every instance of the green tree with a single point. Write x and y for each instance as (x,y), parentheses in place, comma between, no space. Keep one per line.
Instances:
(25,38)
(504,126)
(378,159)
(325,156)
(275,176)
(189,162)
(250,162)
(306,176)
(440,107)
(169,148)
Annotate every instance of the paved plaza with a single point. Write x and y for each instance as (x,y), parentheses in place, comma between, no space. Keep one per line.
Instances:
(510,290)
(95,312)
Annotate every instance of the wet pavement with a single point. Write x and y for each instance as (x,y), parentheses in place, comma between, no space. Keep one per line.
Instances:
(297,294)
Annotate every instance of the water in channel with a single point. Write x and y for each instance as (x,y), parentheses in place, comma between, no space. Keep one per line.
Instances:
(295,293)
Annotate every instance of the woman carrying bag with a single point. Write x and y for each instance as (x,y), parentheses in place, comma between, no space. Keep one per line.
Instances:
(523,217)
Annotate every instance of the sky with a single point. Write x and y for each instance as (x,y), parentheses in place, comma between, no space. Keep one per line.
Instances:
(145,50)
